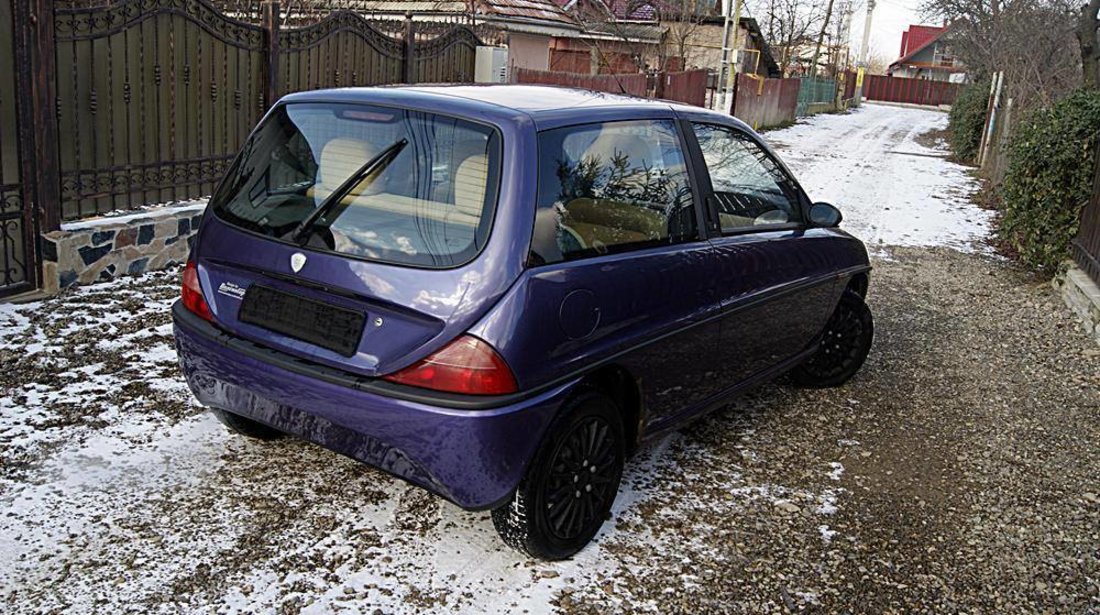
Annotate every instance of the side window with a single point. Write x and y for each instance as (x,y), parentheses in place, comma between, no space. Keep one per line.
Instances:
(610,187)
(750,189)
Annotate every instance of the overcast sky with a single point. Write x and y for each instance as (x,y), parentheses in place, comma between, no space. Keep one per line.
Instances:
(891,18)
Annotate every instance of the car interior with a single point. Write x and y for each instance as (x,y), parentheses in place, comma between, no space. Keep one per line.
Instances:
(459,199)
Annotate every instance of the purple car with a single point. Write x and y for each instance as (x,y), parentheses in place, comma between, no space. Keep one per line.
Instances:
(496,293)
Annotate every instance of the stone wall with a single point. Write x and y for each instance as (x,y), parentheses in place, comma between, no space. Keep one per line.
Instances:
(102,249)
(1082,296)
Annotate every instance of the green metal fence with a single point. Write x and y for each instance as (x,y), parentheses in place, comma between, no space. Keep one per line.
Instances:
(815,94)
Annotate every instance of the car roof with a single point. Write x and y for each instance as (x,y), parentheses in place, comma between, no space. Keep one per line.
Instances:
(552,104)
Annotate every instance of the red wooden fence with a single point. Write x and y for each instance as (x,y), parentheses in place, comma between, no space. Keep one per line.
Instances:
(913,91)
(763,103)
(636,84)
(687,87)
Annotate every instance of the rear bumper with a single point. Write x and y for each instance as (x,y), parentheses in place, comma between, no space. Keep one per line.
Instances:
(474,458)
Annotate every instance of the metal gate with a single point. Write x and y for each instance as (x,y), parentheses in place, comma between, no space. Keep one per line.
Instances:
(17,267)
(110,106)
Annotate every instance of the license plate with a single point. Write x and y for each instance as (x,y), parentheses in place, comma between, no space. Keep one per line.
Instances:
(329,326)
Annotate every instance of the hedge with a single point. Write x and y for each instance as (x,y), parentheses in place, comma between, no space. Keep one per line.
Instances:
(1050,173)
(967,119)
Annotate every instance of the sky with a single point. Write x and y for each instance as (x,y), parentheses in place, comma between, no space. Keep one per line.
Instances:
(891,18)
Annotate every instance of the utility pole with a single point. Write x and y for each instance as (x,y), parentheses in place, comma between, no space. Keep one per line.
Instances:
(728,71)
(861,68)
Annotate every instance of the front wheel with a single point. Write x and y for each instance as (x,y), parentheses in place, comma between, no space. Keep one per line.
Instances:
(843,347)
(568,489)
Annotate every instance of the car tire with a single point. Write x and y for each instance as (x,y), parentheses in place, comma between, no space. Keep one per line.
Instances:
(844,345)
(566,494)
(246,426)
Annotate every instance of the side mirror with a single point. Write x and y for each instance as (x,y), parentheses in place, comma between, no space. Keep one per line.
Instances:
(825,215)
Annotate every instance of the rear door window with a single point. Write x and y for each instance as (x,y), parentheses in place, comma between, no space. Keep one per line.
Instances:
(750,189)
(611,187)
(430,204)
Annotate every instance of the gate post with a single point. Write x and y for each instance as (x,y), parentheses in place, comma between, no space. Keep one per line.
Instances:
(270,22)
(37,108)
(410,48)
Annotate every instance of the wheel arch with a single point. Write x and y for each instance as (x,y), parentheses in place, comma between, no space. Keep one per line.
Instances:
(622,387)
(859,283)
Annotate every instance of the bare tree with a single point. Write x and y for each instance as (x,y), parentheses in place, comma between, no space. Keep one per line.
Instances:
(877,61)
(601,18)
(1032,41)
(1088,37)
(789,27)
(681,20)
(821,37)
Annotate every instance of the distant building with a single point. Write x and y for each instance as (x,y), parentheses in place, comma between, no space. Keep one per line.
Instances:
(926,54)
(527,27)
(631,35)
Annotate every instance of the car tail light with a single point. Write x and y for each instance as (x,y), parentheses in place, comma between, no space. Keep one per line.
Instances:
(466,365)
(192,293)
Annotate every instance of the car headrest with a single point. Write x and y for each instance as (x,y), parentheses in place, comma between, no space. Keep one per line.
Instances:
(340,158)
(470,181)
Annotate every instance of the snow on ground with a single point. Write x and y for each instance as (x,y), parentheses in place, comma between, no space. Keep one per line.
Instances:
(119,492)
(891,189)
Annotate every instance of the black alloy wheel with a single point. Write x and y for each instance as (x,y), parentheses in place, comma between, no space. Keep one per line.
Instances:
(570,485)
(843,347)
(583,474)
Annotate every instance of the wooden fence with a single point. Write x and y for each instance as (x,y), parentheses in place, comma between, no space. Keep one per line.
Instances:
(684,86)
(689,86)
(1086,246)
(911,91)
(145,101)
(765,103)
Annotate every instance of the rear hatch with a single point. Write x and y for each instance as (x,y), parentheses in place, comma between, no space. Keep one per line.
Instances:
(347,234)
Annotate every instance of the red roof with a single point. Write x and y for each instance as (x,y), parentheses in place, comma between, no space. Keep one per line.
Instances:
(919,36)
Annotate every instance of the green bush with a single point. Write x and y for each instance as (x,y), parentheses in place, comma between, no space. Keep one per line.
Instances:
(1050,172)
(967,119)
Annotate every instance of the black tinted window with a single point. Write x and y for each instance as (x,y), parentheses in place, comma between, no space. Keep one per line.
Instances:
(750,189)
(610,187)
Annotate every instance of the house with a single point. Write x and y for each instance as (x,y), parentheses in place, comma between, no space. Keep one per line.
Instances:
(926,54)
(703,45)
(526,27)
(633,35)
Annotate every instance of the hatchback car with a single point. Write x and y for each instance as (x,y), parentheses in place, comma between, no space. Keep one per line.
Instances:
(497,292)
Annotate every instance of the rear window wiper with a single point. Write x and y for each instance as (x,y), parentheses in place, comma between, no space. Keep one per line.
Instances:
(379,162)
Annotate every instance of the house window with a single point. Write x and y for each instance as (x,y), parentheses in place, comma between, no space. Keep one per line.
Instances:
(943,55)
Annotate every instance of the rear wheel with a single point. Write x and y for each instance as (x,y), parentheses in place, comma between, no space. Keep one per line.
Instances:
(246,426)
(571,483)
(843,348)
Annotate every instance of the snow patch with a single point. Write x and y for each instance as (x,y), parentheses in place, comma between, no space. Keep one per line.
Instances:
(892,190)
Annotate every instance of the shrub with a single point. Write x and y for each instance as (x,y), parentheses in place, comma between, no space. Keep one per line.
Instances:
(1051,161)
(967,119)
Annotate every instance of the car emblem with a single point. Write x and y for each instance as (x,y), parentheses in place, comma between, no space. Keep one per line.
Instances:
(297,261)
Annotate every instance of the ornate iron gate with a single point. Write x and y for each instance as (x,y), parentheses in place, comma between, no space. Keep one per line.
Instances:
(114,105)
(17,266)
(154,100)
(341,50)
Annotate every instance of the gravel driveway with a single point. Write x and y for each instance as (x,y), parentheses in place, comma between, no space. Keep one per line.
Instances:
(960,471)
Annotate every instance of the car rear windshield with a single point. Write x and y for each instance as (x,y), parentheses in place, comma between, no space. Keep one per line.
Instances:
(384,184)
